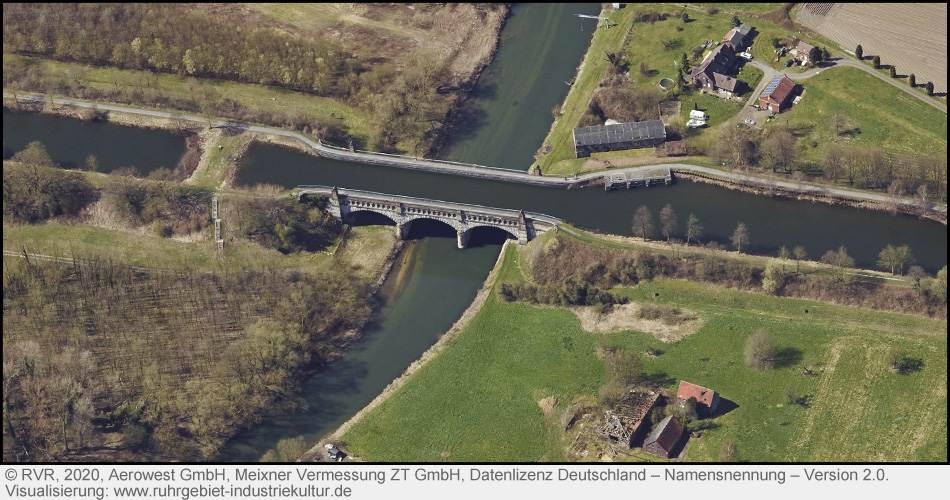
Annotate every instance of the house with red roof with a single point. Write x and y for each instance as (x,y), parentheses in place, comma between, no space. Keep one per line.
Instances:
(707,400)
(777,95)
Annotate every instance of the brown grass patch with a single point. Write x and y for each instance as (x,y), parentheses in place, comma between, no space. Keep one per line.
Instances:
(547,405)
(627,317)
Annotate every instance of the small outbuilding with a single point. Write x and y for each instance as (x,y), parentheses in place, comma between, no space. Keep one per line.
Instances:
(803,51)
(778,95)
(616,137)
(665,440)
(707,400)
(737,38)
(336,453)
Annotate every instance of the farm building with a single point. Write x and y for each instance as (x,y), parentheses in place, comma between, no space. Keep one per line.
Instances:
(666,438)
(717,62)
(618,136)
(803,50)
(707,400)
(737,38)
(622,424)
(777,96)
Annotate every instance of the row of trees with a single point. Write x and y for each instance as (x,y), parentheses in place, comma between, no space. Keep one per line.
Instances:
(868,168)
(604,268)
(643,226)
(173,38)
(892,70)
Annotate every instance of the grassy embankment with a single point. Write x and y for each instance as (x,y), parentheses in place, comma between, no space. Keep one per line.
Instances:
(479,399)
(879,113)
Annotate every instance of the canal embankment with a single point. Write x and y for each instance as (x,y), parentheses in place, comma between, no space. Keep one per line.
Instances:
(318,454)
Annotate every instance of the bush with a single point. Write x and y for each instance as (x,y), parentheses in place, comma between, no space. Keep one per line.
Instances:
(760,351)
(33,193)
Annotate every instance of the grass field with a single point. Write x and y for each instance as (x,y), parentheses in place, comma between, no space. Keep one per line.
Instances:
(884,115)
(478,400)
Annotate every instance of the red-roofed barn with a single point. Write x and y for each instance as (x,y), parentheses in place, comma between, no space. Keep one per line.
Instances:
(707,400)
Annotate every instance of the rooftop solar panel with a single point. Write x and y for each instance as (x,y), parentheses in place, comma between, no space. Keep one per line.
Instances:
(774,83)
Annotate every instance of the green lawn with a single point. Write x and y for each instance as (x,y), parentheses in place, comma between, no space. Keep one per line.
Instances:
(884,115)
(478,400)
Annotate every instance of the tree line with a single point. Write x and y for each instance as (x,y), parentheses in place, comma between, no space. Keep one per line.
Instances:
(874,168)
(173,38)
(566,260)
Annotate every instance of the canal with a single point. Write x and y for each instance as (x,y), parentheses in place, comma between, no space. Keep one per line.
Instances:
(70,141)
(432,281)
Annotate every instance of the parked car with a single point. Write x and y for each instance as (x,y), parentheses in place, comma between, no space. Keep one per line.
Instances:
(789,62)
(750,121)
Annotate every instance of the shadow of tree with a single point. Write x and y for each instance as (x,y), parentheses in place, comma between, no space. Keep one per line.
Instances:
(909,365)
(658,378)
(787,356)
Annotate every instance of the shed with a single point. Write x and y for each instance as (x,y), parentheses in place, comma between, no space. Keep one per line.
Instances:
(707,400)
(777,95)
(336,454)
(599,138)
(664,441)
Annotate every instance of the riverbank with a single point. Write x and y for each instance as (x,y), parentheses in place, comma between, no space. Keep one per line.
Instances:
(318,452)
(442,134)
(767,187)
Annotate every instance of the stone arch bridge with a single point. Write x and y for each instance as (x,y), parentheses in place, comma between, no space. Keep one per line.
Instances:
(461,216)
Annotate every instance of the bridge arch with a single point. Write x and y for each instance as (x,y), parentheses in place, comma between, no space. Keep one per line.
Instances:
(465,236)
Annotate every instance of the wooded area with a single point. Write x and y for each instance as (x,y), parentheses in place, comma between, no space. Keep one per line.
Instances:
(103,361)
(407,90)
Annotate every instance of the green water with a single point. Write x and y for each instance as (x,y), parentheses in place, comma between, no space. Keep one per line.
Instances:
(509,112)
(70,141)
(429,287)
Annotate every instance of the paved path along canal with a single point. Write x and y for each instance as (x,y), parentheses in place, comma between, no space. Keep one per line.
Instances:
(480,171)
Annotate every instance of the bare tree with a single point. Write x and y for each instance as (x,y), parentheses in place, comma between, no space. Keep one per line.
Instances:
(694,230)
(668,219)
(760,351)
(740,236)
(839,260)
(729,452)
(832,161)
(894,193)
(781,150)
(800,255)
(643,222)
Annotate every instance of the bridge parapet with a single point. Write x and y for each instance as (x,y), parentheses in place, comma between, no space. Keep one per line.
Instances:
(462,217)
